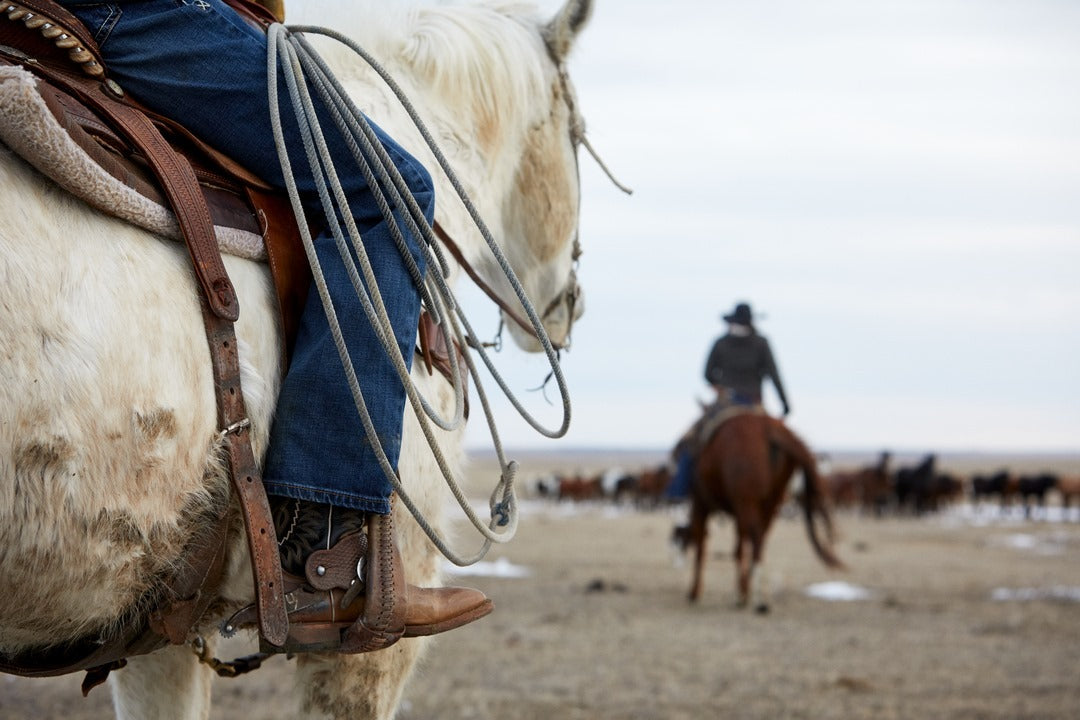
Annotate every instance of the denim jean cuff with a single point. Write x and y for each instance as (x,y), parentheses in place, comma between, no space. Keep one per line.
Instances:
(377,505)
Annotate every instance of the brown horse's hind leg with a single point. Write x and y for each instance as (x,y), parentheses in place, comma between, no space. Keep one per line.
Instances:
(698,535)
(742,567)
(757,574)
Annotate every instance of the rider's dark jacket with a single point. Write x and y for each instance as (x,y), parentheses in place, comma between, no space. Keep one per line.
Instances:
(739,363)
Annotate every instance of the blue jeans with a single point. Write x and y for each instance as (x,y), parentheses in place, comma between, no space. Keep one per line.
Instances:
(681,484)
(200,64)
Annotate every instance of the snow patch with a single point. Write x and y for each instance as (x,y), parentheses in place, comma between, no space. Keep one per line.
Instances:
(837,591)
(1057,592)
(499,568)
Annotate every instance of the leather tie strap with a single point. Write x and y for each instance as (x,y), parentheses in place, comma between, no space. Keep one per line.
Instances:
(246,480)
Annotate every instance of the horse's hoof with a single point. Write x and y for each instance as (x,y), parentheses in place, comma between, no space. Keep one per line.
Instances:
(762,609)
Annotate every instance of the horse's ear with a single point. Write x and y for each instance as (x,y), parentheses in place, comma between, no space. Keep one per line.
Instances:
(559,34)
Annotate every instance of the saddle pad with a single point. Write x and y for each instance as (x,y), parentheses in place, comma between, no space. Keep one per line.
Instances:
(716,416)
(30,130)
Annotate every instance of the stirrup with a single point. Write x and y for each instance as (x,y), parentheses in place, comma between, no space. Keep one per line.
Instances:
(352,598)
(382,622)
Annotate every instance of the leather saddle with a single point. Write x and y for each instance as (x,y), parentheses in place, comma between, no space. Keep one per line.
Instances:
(73,84)
(211,202)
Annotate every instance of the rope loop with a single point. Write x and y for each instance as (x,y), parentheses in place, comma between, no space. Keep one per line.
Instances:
(304,71)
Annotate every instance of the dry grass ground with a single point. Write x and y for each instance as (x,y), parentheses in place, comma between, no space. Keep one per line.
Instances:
(601,628)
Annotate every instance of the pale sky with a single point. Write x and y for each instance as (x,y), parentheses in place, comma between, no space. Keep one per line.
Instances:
(893,184)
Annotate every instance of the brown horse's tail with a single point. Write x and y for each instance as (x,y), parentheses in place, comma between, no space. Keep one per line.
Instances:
(814,496)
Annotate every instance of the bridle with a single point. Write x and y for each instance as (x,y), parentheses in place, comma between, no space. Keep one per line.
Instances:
(570,295)
(571,292)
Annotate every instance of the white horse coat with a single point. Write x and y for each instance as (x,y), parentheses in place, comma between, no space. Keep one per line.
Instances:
(108,442)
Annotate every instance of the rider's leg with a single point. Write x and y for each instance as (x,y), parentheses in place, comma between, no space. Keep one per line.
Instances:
(203,66)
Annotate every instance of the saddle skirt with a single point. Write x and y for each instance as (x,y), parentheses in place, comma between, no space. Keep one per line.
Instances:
(712,417)
(34,123)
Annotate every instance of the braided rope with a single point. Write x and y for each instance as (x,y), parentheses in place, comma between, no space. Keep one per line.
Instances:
(302,69)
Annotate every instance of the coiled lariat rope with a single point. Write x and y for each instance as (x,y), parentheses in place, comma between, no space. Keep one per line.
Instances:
(302,68)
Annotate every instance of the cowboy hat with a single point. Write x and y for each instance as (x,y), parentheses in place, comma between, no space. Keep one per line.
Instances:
(742,315)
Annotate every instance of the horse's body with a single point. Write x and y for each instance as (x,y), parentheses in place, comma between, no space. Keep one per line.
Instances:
(1069,487)
(108,440)
(744,470)
(1033,488)
(651,485)
(876,485)
(868,488)
(579,488)
(914,486)
(990,486)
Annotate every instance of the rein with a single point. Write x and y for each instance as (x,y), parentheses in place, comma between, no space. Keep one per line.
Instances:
(569,295)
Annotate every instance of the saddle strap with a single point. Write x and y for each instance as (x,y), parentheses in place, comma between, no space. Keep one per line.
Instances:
(181,187)
(246,479)
(287,259)
(434,349)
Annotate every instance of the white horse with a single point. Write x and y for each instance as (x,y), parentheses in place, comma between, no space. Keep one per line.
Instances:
(107,412)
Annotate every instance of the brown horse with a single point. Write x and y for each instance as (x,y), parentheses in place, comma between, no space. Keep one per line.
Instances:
(1069,487)
(650,486)
(744,470)
(869,487)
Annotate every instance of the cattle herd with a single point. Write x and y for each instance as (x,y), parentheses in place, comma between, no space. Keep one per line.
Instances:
(878,489)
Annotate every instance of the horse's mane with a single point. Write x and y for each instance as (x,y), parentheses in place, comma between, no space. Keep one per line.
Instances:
(486,56)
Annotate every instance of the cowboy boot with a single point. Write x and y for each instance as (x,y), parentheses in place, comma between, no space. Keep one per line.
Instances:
(345,590)
(393,609)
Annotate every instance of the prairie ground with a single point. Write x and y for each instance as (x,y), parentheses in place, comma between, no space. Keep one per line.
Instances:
(962,614)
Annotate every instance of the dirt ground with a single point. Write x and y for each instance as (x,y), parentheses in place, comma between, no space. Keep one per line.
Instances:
(967,615)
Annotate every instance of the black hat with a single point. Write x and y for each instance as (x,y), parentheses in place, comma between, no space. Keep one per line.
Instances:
(741,316)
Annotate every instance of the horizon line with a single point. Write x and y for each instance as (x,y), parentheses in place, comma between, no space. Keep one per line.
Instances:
(596,449)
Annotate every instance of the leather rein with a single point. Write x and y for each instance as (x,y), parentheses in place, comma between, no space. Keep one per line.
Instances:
(569,296)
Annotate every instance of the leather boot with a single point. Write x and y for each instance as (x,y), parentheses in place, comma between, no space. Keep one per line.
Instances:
(350,593)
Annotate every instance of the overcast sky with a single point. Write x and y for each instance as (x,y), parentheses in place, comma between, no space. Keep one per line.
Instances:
(893,184)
